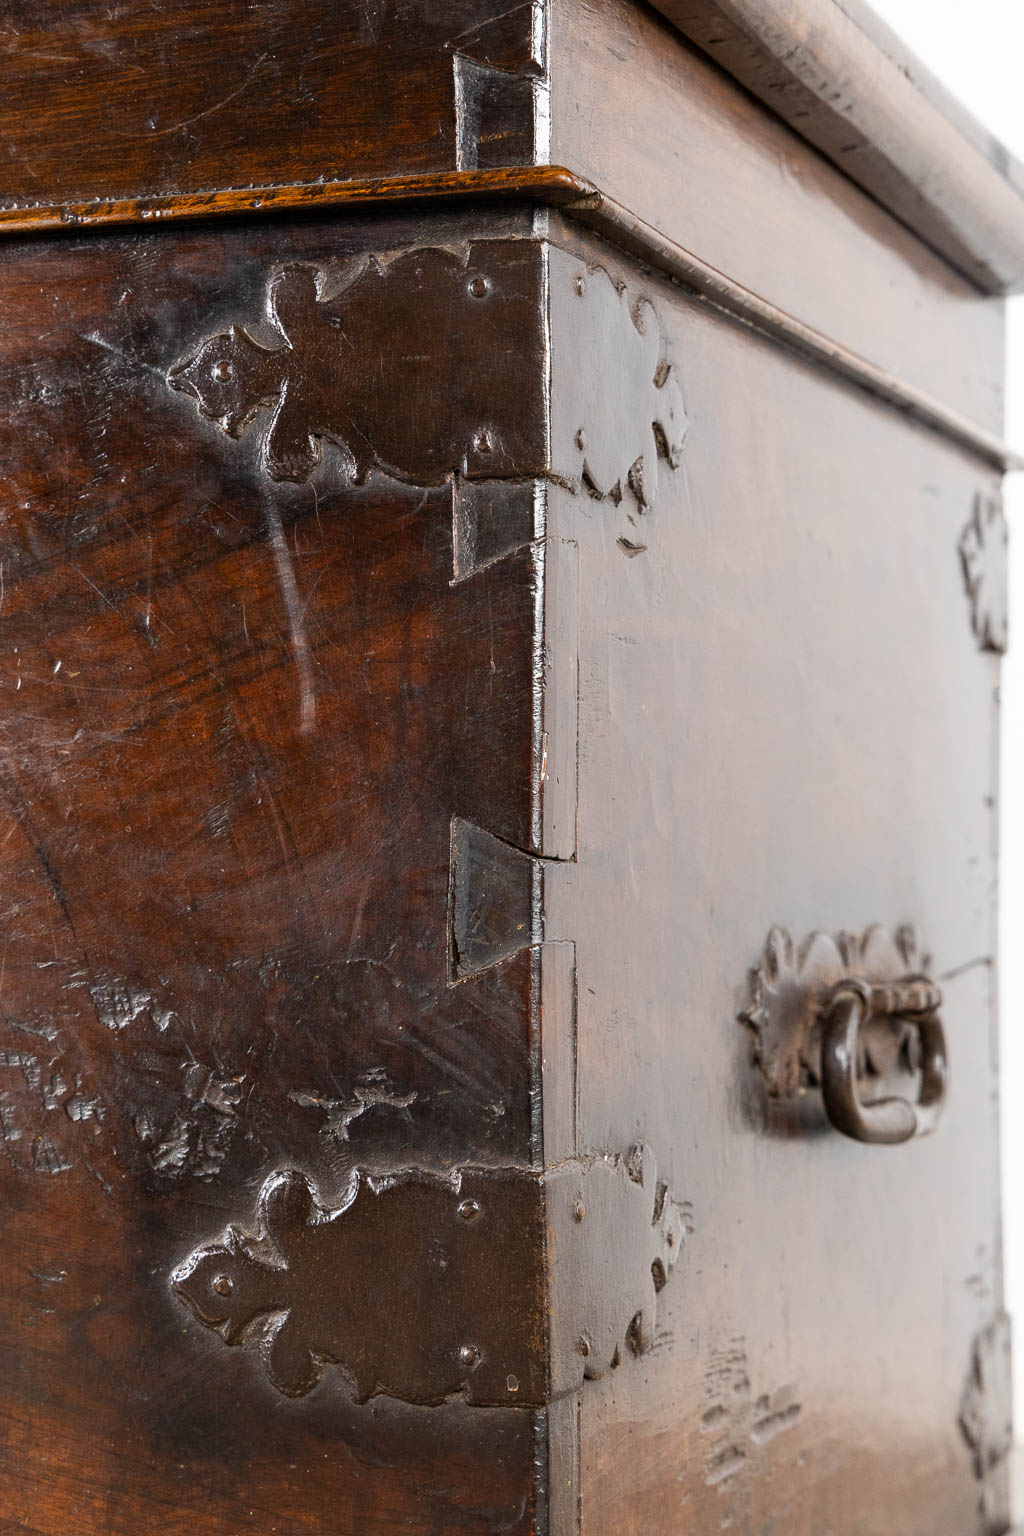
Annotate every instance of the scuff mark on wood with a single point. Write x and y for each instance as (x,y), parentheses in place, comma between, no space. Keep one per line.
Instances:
(738,1427)
(375,1092)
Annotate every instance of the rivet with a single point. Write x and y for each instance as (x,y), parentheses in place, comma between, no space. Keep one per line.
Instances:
(580,286)
(581,439)
(512,1383)
(469,1356)
(482,441)
(469,1210)
(222,371)
(222,1285)
(579,1210)
(479,287)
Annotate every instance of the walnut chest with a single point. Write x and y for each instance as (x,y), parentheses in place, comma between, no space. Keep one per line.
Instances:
(501,596)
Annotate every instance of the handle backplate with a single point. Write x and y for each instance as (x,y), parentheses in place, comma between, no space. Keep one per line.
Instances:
(857,1020)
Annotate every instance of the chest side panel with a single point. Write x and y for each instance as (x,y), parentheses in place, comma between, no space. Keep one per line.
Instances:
(786,718)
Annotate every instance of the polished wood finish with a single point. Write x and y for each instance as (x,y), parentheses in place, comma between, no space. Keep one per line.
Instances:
(545,183)
(197,95)
(242,716)
(470,570)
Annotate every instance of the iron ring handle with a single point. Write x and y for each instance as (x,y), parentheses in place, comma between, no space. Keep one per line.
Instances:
(887,1121)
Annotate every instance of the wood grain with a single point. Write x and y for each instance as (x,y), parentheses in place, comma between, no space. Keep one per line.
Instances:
(199,95)
(546,183)
(239,719)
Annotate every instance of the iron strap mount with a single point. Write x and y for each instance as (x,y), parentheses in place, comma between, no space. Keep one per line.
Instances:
(506,1285)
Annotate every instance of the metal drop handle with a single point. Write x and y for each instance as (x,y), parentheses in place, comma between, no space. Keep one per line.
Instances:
(851,1004)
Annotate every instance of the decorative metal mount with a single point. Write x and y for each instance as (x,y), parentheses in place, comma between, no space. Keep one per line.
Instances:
(983,555)
(986,1417)
(431,363)
(420,364)
(506,1285)
(498,68)
(629,403)
(986,1410)
(495,905)
(845,1012)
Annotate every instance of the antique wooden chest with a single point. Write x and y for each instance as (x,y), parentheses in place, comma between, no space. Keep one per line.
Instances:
(501,593)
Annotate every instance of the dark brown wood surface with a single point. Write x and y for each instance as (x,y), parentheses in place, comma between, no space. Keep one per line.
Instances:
(196,95)
(239,718)
(436,652)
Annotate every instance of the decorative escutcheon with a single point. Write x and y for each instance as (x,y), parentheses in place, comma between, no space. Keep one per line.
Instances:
(847,1016)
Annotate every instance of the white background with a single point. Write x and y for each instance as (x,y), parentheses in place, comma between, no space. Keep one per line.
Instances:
(977,50)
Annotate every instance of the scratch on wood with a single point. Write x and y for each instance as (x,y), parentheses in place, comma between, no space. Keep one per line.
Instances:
(118,1003)
(295,611)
